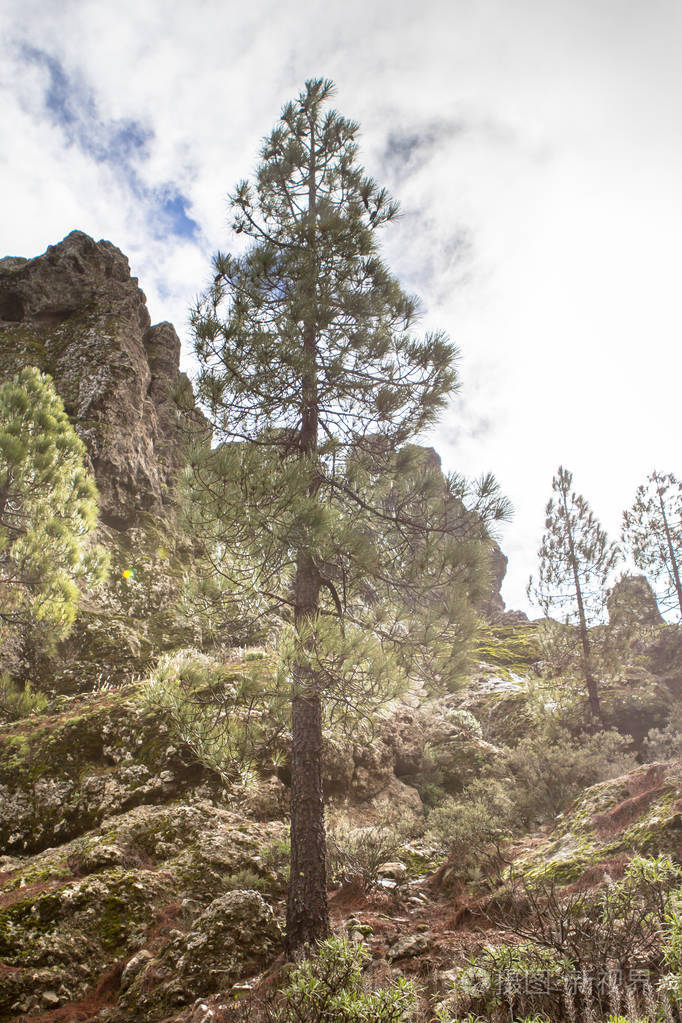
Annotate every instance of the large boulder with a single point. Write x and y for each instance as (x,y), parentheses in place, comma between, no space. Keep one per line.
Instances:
(235,937)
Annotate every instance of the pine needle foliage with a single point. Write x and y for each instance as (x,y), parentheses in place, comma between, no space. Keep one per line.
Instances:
(316,513)
(48,514)
(652,534)
(576,561)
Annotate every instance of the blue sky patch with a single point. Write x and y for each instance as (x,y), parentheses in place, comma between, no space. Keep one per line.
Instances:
(174,209)
(121,143)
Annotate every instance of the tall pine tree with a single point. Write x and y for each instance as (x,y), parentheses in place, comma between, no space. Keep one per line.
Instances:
(576,559)
(316,514)
(652,534)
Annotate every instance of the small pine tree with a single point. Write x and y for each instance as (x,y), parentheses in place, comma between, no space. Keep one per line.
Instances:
(48,513)
(576,559)
(317,515)
(652,535)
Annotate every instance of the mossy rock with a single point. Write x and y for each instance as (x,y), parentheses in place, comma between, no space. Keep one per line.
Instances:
(235,937)
(639,813)
(504,705)
(139,881)
(61,774)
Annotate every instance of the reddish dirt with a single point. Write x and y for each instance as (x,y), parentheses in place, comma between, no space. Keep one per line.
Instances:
(594,875)
(104,993)
(19,894)
(168,919)
(454,923)
(9,969)
(652,778)
(626,812)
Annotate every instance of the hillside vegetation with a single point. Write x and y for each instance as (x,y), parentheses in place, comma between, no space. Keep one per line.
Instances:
(496,851)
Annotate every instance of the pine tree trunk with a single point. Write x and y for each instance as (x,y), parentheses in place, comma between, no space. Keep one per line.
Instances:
(590,681)
(674,568)
(307,913)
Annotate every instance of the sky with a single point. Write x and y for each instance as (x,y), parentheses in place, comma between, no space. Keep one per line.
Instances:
(535,147)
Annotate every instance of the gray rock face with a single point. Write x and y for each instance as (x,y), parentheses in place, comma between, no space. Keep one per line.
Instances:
(632,602)
(494,605)
(77,314)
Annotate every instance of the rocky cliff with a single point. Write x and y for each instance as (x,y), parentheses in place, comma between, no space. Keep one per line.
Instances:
(77,314)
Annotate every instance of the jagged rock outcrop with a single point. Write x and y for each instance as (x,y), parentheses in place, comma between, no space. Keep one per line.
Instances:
(632,602)
(77,314)
(492,605)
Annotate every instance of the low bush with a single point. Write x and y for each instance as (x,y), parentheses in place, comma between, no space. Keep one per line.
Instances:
(17,701)
(585,954)
(354,855)
(550,768)
(329,987)
(665,743)
(475,827)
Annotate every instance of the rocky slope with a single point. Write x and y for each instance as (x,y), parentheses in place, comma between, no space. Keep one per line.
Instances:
(137,885)
(137,882)
(129,863)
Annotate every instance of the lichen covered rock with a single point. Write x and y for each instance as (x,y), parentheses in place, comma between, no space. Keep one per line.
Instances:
(639,813)
(62,774)
(235,937)
(135,889)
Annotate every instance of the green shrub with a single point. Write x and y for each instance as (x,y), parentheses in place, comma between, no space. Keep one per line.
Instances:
(602,938)
(665,743)
(231,720)
(454,754)
(671,983)
(328,988)
(519,787)
(18,701)
(474,827)
(550,769)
